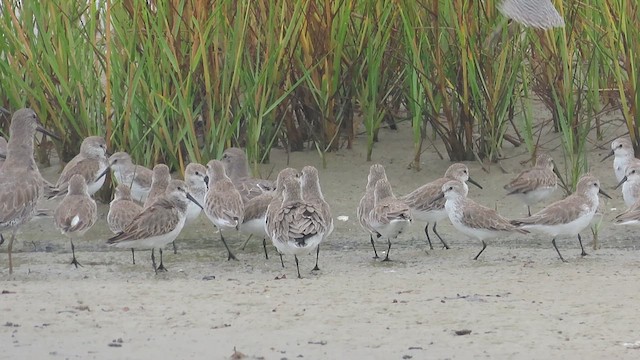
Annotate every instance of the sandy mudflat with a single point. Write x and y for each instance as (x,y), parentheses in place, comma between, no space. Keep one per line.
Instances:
(518,300)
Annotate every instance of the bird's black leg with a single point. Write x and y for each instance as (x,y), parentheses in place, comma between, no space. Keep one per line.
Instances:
(153,260)
(264,246)
(386,258)
(583,253)
(316,268)
(374,247)
(558,251)
(1,239)
(73,251)
(175,248)
(444,244)
(161,267)
(281,261)
(529,210)
(484,246)
(297,266)
(230,254)
(426,231)
(133,256)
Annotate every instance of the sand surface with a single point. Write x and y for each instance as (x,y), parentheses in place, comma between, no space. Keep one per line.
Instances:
(518,300)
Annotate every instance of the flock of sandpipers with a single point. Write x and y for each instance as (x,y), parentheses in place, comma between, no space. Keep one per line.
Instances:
(150,209)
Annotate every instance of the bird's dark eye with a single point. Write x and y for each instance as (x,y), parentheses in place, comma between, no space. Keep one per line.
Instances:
(595,184)
(197,173)
(620,146)
(115,161)
(450,187)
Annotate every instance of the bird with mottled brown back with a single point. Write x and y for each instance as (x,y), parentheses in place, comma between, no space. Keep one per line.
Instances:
(21,184)
(76,213)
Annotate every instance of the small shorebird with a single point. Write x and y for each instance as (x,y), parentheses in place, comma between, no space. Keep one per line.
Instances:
(255,210)
(295,226)
(425,208)
(568,216)
(237,169)
(195,175)
(622,150)
(91,163)
(159,181)
(473,219)
(535,184)
(223,203)
(312,195)
(376,172)
(157,225)
(389,216)
(136,177)
(21,184)
(76,213)
(631,183)
(122,211)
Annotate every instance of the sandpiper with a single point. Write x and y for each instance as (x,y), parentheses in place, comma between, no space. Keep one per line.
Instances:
(535,184)
(376,172)
(159,181)
(76,213)
(623,151)
(157,225)
(21,184)
(631,183)
(91,163)
(122,211)
(389,216)
(136,177)
(295,226)
(223,203)
(195,175)
(425,208)
(568,216)
(312,194)
(237,169)
(473,219)
(255,210)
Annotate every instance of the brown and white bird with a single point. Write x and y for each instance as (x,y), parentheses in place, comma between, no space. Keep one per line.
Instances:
(21,184)
(255,210)
(312,195)
(136,177)
(425,208)
(159,181)
(295,226)
(223,203)
(535,184)
(376,172)
(389,216)
(157,225)
(473,219)
(237,169)
(122,211)
(568,216)
(76,213)
(91,163)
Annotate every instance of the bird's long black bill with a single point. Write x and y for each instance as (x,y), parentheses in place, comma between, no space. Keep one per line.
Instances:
(621,182)
(610,154)
(48,133)
(604,194)
(104,173)
(474,183)
(194,200)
